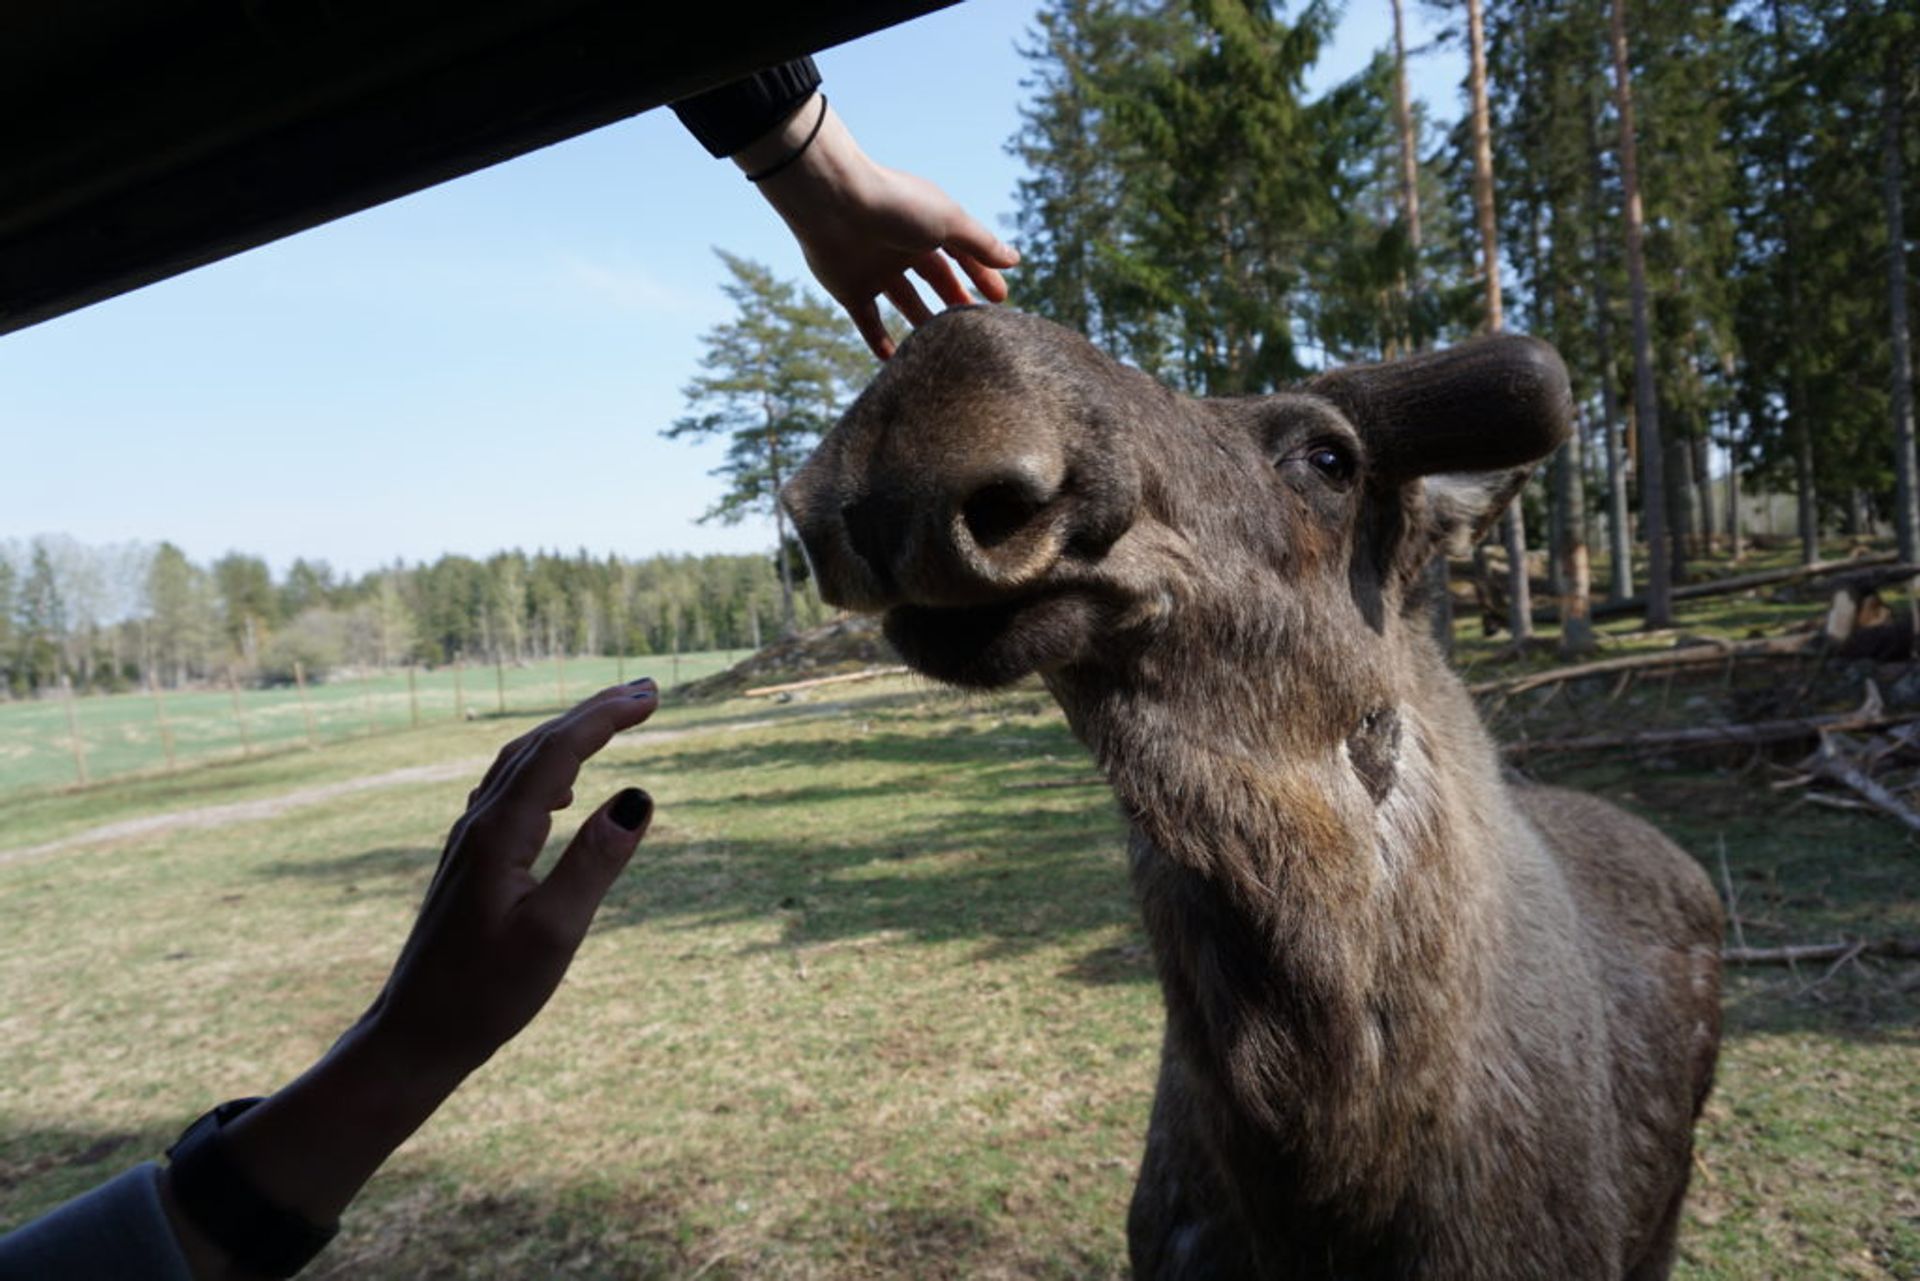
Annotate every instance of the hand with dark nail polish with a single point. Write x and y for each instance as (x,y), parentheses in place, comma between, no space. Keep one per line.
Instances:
(492,943)
(488,949)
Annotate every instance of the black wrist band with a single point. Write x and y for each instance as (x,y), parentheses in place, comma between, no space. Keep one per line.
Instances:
(223,1203)
(798,151)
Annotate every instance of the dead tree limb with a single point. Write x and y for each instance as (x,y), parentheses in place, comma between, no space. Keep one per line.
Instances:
(1900,949)
(1762,578)
(1830,764)
(1685,656)
(844,678)
(1756,734)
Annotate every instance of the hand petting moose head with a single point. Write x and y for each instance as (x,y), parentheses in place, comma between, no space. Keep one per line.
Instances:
(1419,1022)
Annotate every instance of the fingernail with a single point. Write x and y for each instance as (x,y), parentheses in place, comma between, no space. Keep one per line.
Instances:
(631,809)
(644,688)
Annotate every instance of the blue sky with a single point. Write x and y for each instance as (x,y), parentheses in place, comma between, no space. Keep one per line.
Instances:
(488,363)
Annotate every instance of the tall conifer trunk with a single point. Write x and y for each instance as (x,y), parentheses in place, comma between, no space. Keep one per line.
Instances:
(1519,590)
(1806,514)
(1679,487)
(1736,532)
(1906,509)
(1653,514)
(1703,490)
(1440,605)
(1619,511)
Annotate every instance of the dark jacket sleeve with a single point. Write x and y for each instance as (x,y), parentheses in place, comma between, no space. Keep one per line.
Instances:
(728,118)
(118,1230)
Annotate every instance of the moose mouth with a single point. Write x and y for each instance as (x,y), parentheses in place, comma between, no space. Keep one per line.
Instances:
(990,646)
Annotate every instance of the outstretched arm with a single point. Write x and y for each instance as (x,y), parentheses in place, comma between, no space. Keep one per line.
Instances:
(490,946)
(864,226)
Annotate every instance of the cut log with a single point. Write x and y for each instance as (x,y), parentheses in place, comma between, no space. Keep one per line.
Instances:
(1902,949)
(1684,656)
(1756,734)
(844,678)
(1884,565)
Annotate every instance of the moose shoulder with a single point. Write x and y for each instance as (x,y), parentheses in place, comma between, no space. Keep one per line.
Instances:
(1421,1022)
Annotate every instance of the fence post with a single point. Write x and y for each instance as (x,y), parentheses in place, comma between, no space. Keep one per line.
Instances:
(500,682)
(160,715)
(239,718)
(73,730)
(413,699)
(306,712)
(366,701)
(459,693)
(560,674)
(620,667)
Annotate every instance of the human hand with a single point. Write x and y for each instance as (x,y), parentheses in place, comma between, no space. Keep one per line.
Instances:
(488,949)
(863,227)
(492,942)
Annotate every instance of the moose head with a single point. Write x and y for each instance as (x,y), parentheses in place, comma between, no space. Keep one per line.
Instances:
(1016,501)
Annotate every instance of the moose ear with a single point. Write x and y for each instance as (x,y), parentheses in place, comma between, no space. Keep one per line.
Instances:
(1471,420)
(1485,406)
(1463,506)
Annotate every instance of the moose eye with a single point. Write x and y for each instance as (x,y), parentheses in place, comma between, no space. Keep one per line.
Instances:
(1332,462)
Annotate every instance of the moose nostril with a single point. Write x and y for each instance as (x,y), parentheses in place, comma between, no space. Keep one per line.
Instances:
(996,512)
(873,528)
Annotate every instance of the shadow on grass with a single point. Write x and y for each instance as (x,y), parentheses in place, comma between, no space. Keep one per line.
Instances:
(411,864)
(929,843)
(420,1220)
(424,1224)
(61,1161)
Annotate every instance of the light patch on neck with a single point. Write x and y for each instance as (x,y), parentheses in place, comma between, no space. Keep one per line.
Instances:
(1403,816)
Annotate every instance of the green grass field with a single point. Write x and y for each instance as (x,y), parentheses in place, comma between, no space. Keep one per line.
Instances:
(123,734)
(860,1008)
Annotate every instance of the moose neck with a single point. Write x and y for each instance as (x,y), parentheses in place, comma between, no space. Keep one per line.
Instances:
(1314,941)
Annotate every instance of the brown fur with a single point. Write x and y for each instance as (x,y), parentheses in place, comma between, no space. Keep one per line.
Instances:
(1420,1022)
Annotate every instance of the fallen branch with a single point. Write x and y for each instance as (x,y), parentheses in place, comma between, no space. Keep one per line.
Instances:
(865,674)
(1743,582)
(1756,734)
(1830,764)
(1685,656)
(1901,949)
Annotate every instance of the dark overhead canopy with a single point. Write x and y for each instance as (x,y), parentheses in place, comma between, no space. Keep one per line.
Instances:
(140,138)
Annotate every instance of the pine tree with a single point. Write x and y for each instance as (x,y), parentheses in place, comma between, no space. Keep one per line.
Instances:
(1180,186)
(778,374)
(12,681)
(248,604)
(40,623)
(179,602)
(1519,589)
(1646,404)
(1906,510)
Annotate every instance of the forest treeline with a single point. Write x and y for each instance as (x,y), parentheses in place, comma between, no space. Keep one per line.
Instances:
(115,617)
(1704,204)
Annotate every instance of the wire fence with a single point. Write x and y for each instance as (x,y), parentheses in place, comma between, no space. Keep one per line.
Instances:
(65,739)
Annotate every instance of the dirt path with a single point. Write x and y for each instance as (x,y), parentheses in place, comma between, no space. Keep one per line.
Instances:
(265,807)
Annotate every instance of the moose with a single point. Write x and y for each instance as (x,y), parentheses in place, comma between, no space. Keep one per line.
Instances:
(1421,1021)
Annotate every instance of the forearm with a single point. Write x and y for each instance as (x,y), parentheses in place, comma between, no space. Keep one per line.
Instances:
(828,169)
(311,1146)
